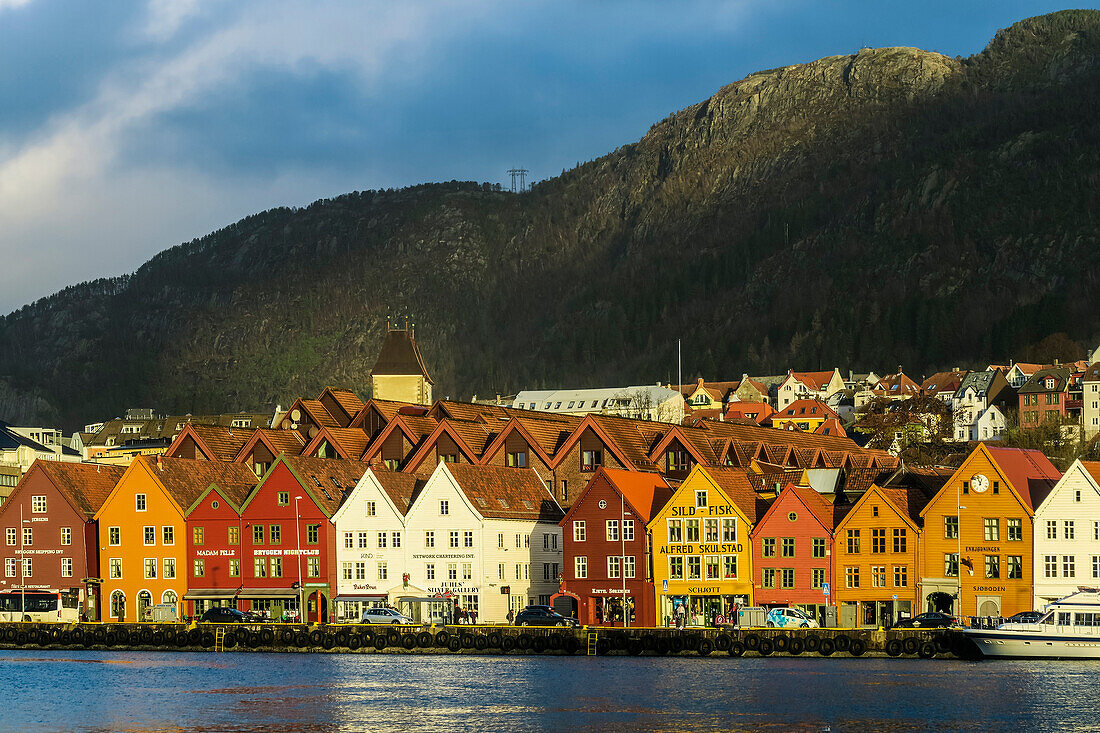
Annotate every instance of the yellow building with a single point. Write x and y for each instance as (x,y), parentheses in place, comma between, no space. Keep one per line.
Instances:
(701,552)
(400,374)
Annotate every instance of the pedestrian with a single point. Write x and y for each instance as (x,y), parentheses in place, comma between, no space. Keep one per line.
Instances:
(511,617)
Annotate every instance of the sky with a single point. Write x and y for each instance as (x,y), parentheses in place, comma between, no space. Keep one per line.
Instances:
(130,126)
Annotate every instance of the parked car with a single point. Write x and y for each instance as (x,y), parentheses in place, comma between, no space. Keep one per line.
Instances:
(791,618)
(1025,617)
(384,616)
(543,616)
(225,615)
(929,620)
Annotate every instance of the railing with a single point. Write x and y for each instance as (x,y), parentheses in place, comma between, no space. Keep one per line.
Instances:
(983,622)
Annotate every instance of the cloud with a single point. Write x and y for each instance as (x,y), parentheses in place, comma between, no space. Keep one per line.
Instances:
(12,4)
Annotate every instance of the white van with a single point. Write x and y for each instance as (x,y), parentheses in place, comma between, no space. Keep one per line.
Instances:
(791,618)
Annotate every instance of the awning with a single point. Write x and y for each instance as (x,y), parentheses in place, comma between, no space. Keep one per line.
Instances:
(202,594)
(268,593)
(364,597)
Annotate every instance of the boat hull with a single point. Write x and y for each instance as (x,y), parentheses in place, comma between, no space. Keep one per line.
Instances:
(1017,644)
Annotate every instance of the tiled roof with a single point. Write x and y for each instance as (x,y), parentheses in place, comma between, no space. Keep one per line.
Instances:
(185,479)
(347,400)
(896,384)
(1036,382)
(352,441)
(909,500)
(858,480)
(1030,472)
(506,493)
(290,442)
(646,492)
(739,488)
(1093,469)
(473,412)
(402,488)
(941,382)
(813,380)
(85,485)
(979,381)
(831,426)
(400,355)
(328,480)
(225,443)
(319,413)
(825,512)
(717,390)
(765,483)
(805,408)
(1092,373)
(757,412)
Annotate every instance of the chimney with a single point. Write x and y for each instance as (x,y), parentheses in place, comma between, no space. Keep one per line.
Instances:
(900,370)
(160,464)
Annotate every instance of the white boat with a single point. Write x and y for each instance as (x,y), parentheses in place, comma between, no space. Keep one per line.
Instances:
(1068,629)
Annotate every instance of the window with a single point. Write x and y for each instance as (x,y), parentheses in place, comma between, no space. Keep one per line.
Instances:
(901,579)
(38,505)
(628,530)
(767,547)
(545,540)
(729,530)
(381,540)
(628,566)
(819,547)
(383,570)
(257,535)
(371,508)
(198,570)
(313,567)
(275,534)
(259,567)
(787,548)
(282,498)
(767,577)
(444,508)
(676,568)
(675,530)
(66,535)
(786,577)
(28,567)
(1015,530)
(429,539)
(580,566)
(711,567)
(1052,529)
(1069,569)
(695,567)
(578,531)
(313,534)
(429,571)
(517,459)
(612,530)
(701,498)
(198,535)
(853,542)
(234,569)
(9,567)
(13,536)
(992,566)
(349,542)
(817,577)
(729,567)
(234,537)
(1096,531)
(951,565)
(878,541)
(900,540)
(878,576)
(150,567)
(452,571)
(1077,496)
(614,566)
(1050,566)
(346,570)
(692,530)
(169,568)
(591,460)
(1096,566)
(139,502)
(992,529)
(453,537)
(116,567)
(66,567)
(1068,529)
(276,567)
(851,577)
(28,536)
(467,539)
(950,528)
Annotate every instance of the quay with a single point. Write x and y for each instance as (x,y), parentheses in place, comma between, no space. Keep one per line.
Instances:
(592,641)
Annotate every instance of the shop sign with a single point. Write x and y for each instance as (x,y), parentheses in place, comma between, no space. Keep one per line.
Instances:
(446,556)
(215,553)
(453,589)
(982,548)
(286,552)
(990,588)
(364,586)
(720,510)
(705,549)
(611,591)
(700,590)
(41,551)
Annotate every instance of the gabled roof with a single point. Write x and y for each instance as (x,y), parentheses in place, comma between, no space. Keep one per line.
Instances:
(461,432)
(327,480)
(896,385)
(350,443)
(84,485)
(290,442)
(716,390)
(619,435)
(517,426)
(739,488)
(942,382)
(755,412)
(980,382)
(386,409)
(908,503)
(1092,468)
(186,479)
(831,426)
(401,488)
(400,355)
(1037,381)
(506,493)
(702,454)
(645,492)
(217,443)
(806,409)
(416,428)
(824,512)
(349,401)
(927,479)
(814,380)
(1029,471)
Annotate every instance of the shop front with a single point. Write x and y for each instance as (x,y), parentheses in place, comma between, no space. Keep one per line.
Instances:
(198,600)
(702,606)
(875,613)
(275,604)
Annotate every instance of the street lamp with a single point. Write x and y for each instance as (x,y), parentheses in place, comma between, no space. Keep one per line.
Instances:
(298,534)
(958,536)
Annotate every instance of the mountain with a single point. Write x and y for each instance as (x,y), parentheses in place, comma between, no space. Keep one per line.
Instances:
(892,206)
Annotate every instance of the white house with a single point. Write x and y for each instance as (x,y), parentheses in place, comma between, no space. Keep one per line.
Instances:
(488,536)
(808,386)
(648,402)
(1067,534)
(371,542)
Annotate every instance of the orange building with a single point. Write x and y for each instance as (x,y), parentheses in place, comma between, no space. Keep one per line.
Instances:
(142,545)
(876,557)
(983,514)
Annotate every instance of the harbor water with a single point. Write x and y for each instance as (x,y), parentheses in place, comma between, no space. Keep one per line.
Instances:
(149,691)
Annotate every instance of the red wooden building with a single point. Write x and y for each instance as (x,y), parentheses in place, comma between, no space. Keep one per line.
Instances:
(607,567)
(792,550)
(214,527)
(288,543)
(48,525)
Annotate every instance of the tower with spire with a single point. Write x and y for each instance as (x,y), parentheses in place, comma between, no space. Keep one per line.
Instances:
(400,373)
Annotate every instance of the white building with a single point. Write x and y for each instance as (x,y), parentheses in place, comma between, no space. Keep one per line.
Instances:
(1090,401)
(487,536)
(808,386)
(648,402)
(1067,535)
(371,542)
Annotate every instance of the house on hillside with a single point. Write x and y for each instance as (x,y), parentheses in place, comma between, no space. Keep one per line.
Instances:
(944,385)
(808,385)
(805,415)
(1046,396)
(1090,401)
(645,402)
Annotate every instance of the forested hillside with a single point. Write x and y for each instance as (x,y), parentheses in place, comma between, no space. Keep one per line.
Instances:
(890,207)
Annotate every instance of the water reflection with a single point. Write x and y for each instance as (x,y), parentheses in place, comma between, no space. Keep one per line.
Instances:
(96,691)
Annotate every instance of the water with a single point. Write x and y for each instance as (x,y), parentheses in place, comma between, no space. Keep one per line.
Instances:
(195,692)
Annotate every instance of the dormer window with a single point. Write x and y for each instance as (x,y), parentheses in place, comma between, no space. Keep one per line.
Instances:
(1050,382)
